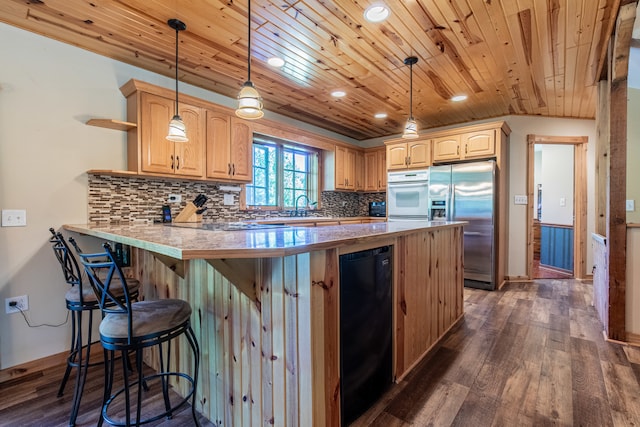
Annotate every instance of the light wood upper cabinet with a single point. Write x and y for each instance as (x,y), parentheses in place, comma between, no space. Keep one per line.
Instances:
(343,169)
(345,166)
(470,145)
(446,148)
(479,144)
(359,171)
(158,155)
(190,156)
(229,142)
(375,170)
(408,155)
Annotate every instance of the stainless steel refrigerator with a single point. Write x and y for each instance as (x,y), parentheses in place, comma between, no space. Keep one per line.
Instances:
(466,192)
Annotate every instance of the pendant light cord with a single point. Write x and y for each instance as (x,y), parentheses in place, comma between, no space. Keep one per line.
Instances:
(177,31)
(411,91)
(249,41)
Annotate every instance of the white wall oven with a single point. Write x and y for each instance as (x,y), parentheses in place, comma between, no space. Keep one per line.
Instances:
(407,195)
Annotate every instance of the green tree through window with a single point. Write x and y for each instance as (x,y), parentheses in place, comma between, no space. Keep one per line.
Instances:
(281,173)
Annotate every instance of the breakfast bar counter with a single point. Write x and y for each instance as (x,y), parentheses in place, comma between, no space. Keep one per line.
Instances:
(266,311)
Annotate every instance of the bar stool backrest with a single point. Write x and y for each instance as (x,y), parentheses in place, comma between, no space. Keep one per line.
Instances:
(106,276)
(68,262)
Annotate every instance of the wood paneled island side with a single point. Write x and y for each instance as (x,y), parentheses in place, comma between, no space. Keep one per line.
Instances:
(266,307)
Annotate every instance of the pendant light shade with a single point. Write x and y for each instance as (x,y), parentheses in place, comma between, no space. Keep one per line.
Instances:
(249,100)
(177,129)
(411,128)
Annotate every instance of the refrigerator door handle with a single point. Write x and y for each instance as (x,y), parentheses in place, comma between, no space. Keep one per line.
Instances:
(453,203)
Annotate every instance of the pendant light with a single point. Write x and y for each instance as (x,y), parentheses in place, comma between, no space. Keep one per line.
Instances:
(249,100)
(177,129)
(411,128)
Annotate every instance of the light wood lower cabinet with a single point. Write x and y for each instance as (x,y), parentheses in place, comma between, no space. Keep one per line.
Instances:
(268,328)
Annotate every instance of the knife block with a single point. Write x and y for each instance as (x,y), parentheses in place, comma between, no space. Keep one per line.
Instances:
(188,214)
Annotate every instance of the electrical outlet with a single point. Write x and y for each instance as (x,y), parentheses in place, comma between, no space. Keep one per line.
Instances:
(175,198)
(21,302)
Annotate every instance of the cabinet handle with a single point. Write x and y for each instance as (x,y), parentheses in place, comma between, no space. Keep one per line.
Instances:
(172,164)
(458,150)
(177,162)
(229,164)
(409,160)
(234,169)
(465,148)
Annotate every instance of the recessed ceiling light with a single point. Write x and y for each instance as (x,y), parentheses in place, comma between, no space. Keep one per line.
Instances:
(380,115)
(275,62)
(376,12)
(338,93)
(458,98)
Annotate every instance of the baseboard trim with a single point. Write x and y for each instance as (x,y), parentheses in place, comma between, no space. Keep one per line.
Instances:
(28,368)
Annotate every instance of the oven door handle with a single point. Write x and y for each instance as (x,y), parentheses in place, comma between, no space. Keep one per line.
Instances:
(407,184)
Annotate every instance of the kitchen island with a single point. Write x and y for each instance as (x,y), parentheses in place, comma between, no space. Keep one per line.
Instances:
(266,307)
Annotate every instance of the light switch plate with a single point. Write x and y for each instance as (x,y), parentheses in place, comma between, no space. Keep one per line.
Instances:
(14,217)
(631,205)
(228,199)
(520,200)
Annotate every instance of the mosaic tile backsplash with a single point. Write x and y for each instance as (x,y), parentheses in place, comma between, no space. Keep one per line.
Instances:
(129,199)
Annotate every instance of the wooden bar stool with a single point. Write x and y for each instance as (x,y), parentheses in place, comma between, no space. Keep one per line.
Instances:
(133,326)
(79,299)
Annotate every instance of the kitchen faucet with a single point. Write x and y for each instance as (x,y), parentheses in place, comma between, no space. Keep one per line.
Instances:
(299,212)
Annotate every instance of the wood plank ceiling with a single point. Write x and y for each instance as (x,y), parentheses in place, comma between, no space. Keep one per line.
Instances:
(523,57)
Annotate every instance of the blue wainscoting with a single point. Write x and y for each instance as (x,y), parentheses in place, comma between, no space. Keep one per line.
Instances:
(556,246)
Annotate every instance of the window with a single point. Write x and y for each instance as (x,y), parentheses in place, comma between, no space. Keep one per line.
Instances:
(282,172)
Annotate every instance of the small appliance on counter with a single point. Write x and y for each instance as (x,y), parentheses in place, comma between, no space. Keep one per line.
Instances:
(192,212)
(378,209)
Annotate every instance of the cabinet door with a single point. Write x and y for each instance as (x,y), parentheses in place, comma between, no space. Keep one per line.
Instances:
(359,171)
(350,169)
(341,166)
(190,155)
(419,154)
(371,171)
(241,150)
(479,144)
(156,151)
(446,148)
(397,156)
(382,170)
(218,147)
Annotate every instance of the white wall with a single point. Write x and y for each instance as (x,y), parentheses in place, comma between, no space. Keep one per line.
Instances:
(633,152)
(556,177)
(47,92)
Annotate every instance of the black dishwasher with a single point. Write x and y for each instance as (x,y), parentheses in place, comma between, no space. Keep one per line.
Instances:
(365,329)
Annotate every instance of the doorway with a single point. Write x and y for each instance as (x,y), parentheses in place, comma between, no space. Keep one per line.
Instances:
(562,232)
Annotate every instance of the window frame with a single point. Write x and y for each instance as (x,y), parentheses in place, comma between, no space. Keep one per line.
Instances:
(313,180)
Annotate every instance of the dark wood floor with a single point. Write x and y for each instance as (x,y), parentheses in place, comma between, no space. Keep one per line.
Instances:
(531,354)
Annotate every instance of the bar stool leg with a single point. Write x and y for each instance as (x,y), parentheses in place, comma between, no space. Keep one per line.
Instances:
(71,357)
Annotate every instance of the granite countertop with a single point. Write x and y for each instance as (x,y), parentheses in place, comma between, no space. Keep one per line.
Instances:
(310,218)
(192,242)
